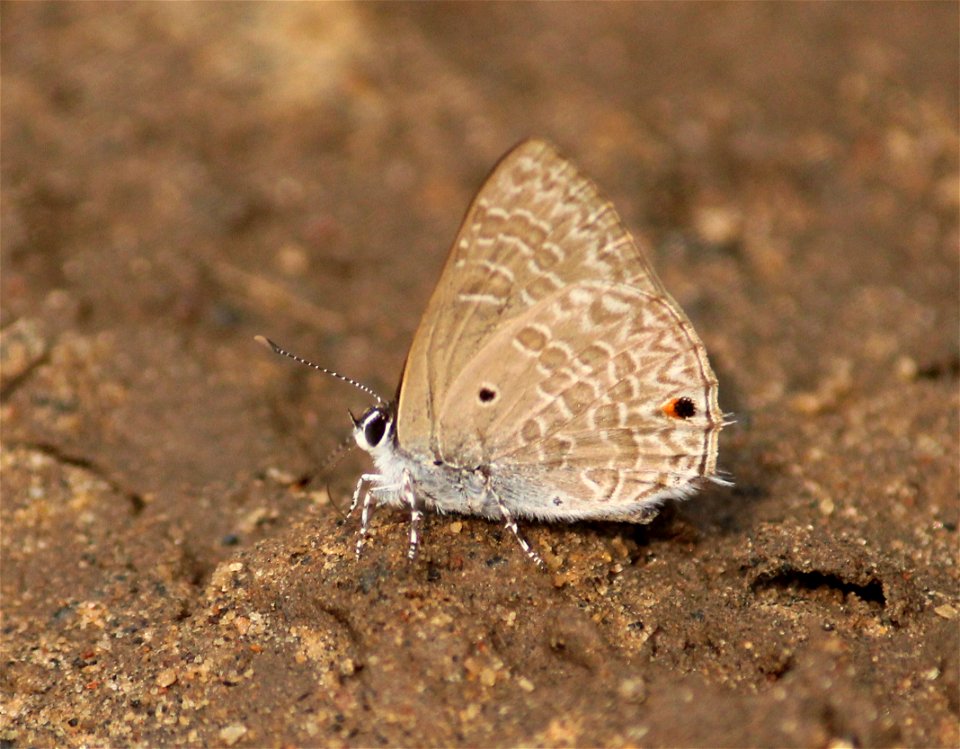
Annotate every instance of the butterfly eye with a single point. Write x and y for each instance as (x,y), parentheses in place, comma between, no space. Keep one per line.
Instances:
(375,428)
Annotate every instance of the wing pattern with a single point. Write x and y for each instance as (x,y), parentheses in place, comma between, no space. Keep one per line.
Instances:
(551,351)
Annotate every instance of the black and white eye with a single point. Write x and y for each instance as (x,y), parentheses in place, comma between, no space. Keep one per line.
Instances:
(372,428)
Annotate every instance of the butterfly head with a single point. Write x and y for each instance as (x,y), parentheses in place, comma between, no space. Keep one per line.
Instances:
(374,430)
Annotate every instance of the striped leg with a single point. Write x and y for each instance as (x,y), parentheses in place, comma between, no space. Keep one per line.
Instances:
(416,515)
(363,483)
(367,495)
(511,525)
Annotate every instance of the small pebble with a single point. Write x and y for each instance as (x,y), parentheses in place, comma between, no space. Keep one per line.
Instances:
(946,611)
(166,678)
(232,733)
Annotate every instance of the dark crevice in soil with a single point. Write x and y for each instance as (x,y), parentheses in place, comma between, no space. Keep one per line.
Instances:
(194,569)
(183,613)
(790,578)
(11,387)
(778,670)
(343,620)
(136,501)
(943,369)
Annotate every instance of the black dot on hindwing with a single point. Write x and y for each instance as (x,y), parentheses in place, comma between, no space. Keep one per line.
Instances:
(680,408)
(487,394)
(685,408)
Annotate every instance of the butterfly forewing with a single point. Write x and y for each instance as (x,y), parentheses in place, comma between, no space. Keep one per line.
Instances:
(550,349)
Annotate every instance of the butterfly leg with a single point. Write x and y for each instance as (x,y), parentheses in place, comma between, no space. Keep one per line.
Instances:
(416,515)
(363,483)
(511,524)
(366,494)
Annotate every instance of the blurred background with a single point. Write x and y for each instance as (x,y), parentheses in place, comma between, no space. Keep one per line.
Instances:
(178,177)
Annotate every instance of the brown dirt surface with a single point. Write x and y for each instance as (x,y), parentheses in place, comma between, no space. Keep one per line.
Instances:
(179,177)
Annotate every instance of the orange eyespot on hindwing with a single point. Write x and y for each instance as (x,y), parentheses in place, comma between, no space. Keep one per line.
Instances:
(679,408)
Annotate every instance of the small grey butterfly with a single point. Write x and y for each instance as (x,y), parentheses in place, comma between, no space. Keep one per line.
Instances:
(551,377)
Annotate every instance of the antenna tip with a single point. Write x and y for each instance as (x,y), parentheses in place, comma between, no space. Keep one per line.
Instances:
(266,342)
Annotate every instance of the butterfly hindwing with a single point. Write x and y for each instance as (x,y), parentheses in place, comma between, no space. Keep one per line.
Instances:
(579,390)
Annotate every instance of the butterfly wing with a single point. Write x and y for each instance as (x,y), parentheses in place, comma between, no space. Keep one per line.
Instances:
(577,400)
(548,313)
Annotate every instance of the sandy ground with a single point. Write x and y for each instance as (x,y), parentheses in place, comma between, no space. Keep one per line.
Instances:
(179,177)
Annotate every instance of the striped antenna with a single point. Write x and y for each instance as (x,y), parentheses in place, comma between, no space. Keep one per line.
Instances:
(283,352)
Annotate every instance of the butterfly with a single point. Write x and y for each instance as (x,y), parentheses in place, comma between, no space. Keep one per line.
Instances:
(552,377)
